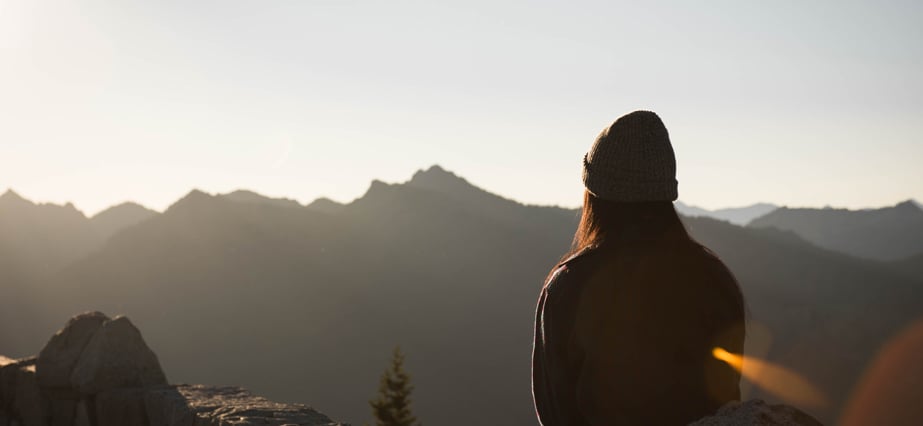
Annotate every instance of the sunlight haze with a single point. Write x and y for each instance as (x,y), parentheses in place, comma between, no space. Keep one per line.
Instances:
(801,104)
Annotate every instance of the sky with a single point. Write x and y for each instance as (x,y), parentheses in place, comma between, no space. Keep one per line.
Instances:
(795,103)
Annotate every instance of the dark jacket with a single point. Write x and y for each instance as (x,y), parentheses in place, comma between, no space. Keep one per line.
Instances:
(627,338)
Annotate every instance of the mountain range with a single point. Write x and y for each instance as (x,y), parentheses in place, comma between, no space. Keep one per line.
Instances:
(736,215)
(305,303)
(890,233)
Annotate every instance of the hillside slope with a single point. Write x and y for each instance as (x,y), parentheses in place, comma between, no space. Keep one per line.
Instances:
(889,233)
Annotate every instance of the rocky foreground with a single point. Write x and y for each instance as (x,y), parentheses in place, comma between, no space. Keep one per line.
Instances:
(98,371)
(756,412)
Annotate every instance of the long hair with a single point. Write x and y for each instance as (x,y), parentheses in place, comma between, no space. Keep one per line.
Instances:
(611,225)
(617,226)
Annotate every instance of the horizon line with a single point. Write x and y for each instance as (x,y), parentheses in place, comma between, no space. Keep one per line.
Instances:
(418,171)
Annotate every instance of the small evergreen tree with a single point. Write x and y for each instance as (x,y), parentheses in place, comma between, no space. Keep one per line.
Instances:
(392,406)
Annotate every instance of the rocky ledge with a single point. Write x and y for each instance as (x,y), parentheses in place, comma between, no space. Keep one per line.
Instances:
(98,371)
(756,412)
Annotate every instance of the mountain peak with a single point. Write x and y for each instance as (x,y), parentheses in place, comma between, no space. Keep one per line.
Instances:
(433,172)
(247,196)
(325,205)
(120,216)
(438,179)
(909,204)
(12,196)
(194,197)
(125,208)
(197,194)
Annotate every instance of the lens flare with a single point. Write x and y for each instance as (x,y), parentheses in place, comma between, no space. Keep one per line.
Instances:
(889,392)
(775,379)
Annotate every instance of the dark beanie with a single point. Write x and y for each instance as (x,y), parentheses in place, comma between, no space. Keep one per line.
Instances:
(632,161)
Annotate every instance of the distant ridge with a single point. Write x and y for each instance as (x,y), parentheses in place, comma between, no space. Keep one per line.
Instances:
(115,218)
(325,205)
(39,238)
(10,197)
(192,198)
(441,180)
(736,215)
(889,233)
(318,300)
(246,196)
(438,179)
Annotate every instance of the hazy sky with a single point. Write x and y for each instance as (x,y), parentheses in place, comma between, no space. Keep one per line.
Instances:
(804,103)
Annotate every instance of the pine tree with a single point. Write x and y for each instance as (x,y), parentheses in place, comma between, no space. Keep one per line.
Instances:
(392,406)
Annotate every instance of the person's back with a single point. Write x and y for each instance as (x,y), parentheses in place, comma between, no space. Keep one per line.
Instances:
(625,328)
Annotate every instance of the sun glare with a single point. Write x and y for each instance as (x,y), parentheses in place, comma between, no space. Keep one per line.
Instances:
(775,379)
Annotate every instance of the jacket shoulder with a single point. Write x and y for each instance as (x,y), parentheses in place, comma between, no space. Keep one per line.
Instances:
(710,261)
(580,256)
(573,267)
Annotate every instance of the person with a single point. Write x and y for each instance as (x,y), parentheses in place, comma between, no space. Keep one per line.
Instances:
(627,322)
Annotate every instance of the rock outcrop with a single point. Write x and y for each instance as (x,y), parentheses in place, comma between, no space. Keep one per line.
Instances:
(98,371)
(57,359)
(757,412)
(116,357)
(176,405)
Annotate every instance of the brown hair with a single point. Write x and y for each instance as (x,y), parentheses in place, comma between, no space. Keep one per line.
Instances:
(611,224)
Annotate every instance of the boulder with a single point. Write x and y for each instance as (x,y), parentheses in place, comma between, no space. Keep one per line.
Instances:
(167,407)
(62,411)
(57,359)
(118,407)
(82,415)
(28,402)
(6,382)
(116,357)
(9,370)
(757,412)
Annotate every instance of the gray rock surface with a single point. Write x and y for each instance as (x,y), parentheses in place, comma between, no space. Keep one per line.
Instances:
(62,411)
(194,405)
(28,402)
(57,359)
(82,415)
(119,407)
(9,370)
(5,364)
(166,406)
(757,412)
(116,357)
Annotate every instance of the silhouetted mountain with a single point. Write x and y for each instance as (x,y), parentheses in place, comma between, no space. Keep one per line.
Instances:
(736,215)
(325,205)
(691,211)
(497,208)
(121,216)
(36,240)
(889,233)
(43,237)
(244,196)
(302,305)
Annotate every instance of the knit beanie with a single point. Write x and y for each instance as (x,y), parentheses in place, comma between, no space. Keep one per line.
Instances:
(632,161)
